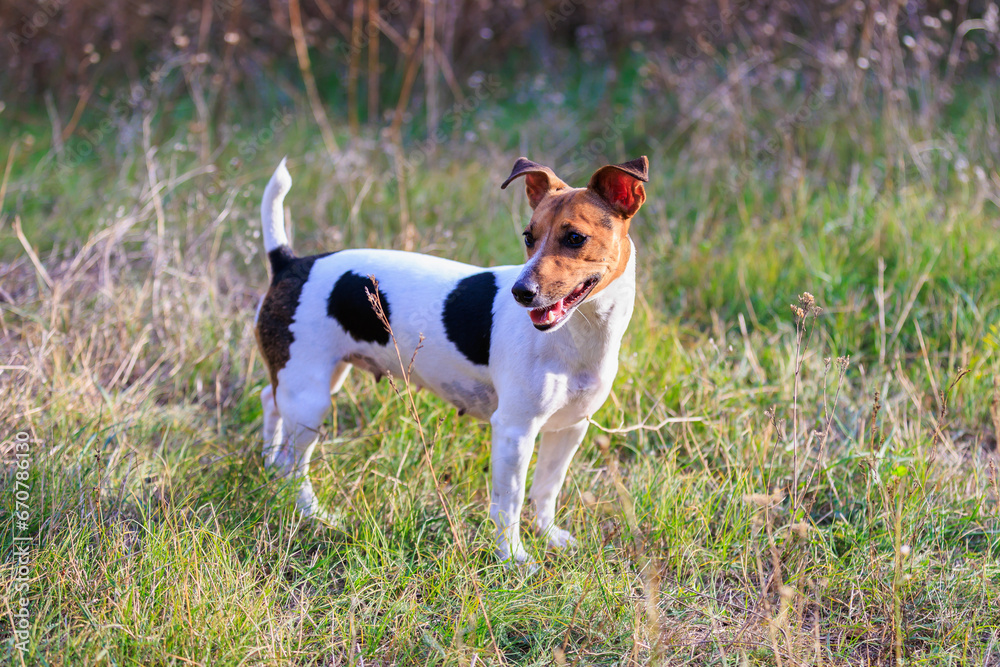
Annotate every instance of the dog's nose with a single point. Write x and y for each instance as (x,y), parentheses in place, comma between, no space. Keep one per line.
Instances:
(524,292)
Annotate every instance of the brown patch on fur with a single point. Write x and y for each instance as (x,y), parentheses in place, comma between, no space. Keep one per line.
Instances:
(561,268)
(539,180)
(624,253)
(277,312)
(601,212)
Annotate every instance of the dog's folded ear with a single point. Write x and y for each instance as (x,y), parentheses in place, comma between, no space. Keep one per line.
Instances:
(620,185)
(538,180)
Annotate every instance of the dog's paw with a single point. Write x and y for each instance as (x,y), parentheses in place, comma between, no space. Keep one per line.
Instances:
(558,538)
(310,508)
(271,457)
(515,559)
(522,564)
(323,515)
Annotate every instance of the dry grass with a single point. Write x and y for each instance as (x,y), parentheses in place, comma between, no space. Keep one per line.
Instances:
(814,485)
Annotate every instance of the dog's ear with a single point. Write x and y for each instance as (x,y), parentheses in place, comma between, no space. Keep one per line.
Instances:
(538,180)
(620,185)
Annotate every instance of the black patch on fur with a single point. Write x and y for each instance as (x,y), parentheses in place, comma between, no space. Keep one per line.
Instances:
(281,258)
(286,266)
(277,312)
(349,305)
(468,316)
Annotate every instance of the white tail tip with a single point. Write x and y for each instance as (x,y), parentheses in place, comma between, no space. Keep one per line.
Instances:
(272,207)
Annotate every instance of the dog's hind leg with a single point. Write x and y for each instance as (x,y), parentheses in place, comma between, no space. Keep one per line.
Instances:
(272,426)
(303,409)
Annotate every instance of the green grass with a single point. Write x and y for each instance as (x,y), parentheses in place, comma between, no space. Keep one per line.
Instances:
(742,537)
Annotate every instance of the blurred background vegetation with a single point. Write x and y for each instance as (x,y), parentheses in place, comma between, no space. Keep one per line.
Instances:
(749,108)
(387,62)
(362,48)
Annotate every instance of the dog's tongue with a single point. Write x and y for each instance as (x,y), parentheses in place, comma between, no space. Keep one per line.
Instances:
(548,315)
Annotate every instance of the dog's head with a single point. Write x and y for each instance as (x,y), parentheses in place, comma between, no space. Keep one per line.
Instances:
(577,239)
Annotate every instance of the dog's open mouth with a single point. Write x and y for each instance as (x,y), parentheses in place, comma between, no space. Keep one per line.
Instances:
(548,317)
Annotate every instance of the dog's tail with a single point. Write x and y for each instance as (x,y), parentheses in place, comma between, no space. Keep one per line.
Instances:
(272,214)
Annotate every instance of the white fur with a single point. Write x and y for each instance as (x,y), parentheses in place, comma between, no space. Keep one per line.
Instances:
(546,383)
(271,208)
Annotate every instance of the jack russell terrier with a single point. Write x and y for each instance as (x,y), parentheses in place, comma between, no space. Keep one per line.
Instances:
(531,348)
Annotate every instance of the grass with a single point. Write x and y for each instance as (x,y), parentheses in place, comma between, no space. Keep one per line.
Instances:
(824,492)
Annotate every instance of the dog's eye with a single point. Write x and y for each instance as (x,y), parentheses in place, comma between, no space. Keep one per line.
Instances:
(575,240)
(529,240)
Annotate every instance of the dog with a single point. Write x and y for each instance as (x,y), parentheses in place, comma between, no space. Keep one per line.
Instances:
(533,348)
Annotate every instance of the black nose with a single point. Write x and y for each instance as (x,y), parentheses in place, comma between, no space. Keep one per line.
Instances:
(524,292)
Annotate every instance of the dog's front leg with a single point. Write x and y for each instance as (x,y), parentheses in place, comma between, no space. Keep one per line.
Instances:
(554,455)
(513,443)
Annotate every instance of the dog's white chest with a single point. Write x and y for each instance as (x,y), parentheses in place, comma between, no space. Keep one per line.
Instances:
(585,392)
(584,383)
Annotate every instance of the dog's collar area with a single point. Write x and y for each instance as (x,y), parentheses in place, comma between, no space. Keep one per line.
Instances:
(548,317)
